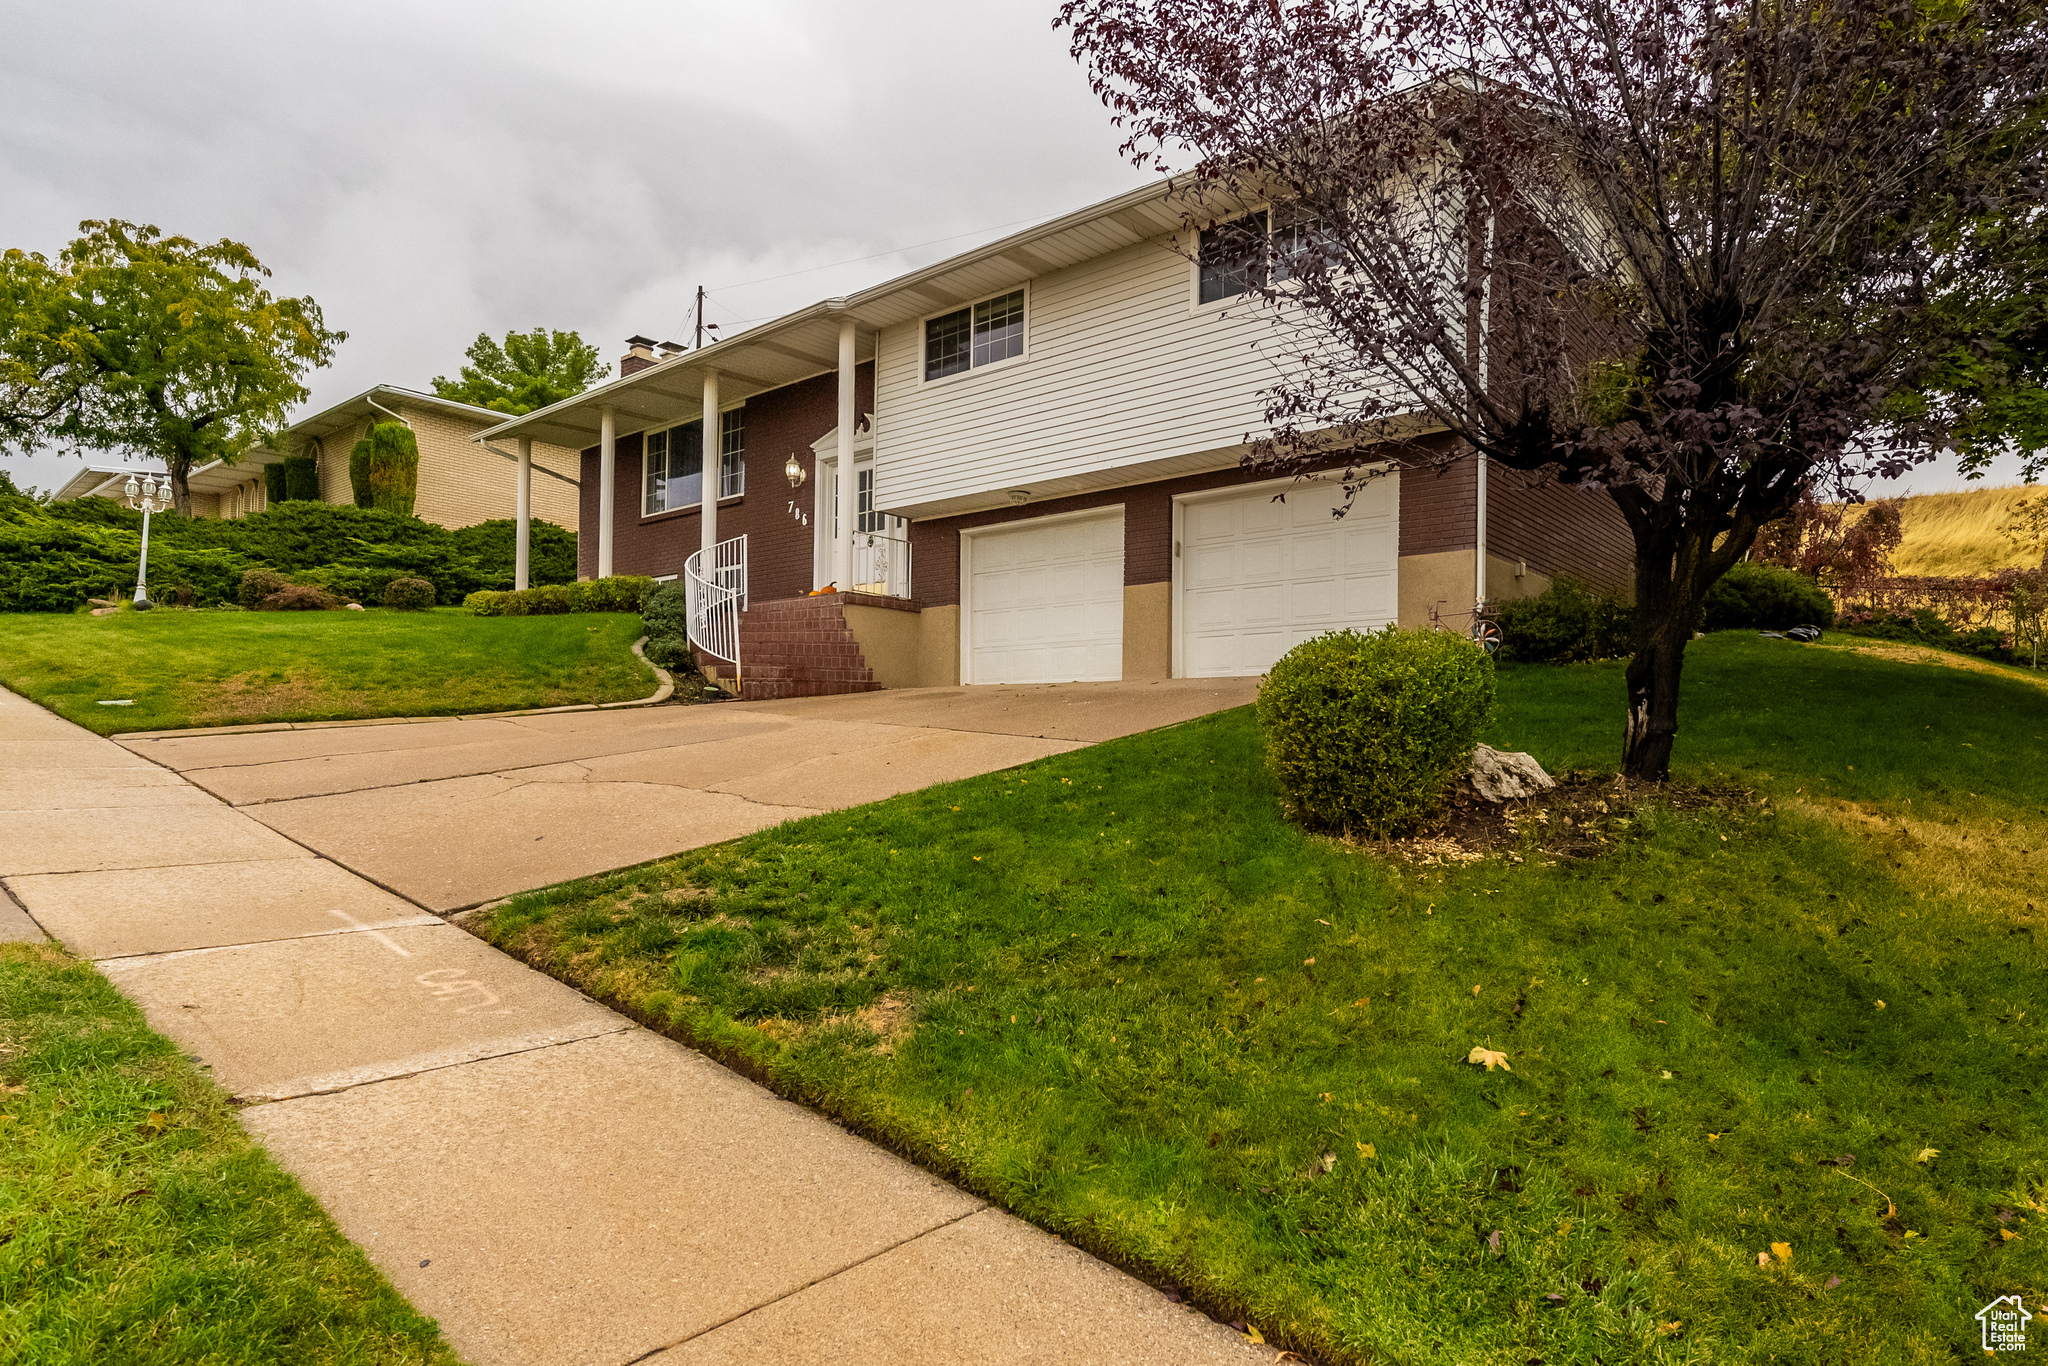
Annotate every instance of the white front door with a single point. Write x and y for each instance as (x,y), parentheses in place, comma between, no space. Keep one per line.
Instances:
(1257,577)
(1043,601)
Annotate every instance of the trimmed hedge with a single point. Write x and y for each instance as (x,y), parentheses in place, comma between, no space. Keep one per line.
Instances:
(1766,597)
(620,593)
(1366,732)
(258,584)
(55,556)
(299,597)
(1567,623)
(301,478)
(274,485)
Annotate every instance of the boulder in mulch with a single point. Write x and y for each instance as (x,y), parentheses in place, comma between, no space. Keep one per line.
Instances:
(1502,776)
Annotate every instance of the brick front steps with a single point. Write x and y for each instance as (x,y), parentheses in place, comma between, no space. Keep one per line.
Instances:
(800,647)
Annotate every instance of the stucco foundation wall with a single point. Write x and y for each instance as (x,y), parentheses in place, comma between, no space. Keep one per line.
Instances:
(1446,577)
(891,643)
(1148,630)
(780,423)
(938,663)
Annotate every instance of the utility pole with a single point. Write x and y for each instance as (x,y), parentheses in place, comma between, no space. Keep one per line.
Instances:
(698,344)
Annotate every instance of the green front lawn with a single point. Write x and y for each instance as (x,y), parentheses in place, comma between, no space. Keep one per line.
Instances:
(218,668)
(139,1224)
(1115,992)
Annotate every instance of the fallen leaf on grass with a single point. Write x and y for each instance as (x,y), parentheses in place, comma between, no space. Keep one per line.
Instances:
(2007,1234)
(1927,1155)
(1251,1330)
(1308,962)
(1322,1166)
(1365,1150)
(157,1122)
(1665,1330)
(1475,991)
(1763,1259)
(1493,1242)
(1782,1251)
(1833,1281)
(1489,1057)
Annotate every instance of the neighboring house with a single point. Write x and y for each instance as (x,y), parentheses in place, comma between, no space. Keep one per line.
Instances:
(1040,440)
(461,482)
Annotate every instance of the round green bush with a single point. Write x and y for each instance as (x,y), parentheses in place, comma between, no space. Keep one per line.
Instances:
(1365,732)
(1766,597)
(409,595)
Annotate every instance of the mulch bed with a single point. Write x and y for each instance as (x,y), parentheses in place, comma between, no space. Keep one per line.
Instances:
(1585,815)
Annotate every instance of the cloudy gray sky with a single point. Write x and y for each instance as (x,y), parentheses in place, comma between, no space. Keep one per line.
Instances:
(430,170)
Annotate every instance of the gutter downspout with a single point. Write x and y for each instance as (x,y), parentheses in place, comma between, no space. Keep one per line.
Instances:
(1485,326)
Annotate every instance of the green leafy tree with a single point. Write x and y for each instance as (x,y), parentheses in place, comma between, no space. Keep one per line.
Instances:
(132,340)
(526,371)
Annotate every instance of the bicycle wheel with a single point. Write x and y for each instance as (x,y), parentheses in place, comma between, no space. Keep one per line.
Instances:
(1486,636)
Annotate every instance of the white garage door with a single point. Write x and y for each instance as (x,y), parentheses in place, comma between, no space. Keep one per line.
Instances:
(1258,577)
(1045,601)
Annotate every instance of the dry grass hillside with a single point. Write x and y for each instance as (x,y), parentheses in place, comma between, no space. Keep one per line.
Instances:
(1958,533)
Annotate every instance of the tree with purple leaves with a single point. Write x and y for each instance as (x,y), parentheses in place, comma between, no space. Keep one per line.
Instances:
(1704,255)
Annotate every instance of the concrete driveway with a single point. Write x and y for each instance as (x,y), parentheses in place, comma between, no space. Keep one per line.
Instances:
(453,813)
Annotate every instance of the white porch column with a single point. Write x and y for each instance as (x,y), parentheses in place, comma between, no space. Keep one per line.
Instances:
(849,478)
(607,466)
(714,462)
(522,556)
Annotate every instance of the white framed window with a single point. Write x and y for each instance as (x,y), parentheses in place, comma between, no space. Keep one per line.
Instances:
(672,464)
(1278,243)
(969,338)
(732,453)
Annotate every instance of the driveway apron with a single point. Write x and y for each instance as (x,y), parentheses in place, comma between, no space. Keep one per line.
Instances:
(550,1181)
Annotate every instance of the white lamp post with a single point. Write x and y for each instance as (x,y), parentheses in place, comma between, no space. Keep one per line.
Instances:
(149,496)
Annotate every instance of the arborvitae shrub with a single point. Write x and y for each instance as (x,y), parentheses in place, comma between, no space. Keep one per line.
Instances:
(359,473)
(394,467)
(302,479)
(1366,732)
(273,484)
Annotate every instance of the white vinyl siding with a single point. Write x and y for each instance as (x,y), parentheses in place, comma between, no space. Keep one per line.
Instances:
(1257,577)
(1044,601)
(1123,369)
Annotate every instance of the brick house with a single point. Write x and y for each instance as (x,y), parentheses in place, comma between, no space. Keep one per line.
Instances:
(1041,439)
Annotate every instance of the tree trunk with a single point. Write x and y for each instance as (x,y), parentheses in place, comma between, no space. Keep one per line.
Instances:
(1673,572)
(181,491)
(1653,676)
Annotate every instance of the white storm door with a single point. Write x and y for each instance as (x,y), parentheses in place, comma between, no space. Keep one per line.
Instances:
(1044,601)
(1257,577)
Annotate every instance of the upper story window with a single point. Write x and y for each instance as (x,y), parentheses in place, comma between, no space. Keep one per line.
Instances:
(1235,256)
(1231,256)
(989,331)
(673,464)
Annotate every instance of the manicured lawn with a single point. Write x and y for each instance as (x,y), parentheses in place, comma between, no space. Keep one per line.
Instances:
(210,668)
(1113,991)
(138,1224)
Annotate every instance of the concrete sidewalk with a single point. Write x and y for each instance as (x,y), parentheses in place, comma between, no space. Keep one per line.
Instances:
(458,812)
(550,1181)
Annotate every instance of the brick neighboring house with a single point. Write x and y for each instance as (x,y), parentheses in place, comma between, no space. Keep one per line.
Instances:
(460,482)
(1041,438)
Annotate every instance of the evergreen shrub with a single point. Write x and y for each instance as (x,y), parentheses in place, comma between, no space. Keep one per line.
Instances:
(1567,623)
(301,479)
(394,468)
(409,595)
(665,617)
(359,473)
(1366,732)
(273,484)
(1765,597)
(619,593)
(299,597)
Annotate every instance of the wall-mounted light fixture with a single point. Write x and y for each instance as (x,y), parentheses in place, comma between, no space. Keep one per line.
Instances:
(794,471)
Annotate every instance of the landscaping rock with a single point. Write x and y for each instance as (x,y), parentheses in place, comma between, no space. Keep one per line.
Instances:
(1498,776)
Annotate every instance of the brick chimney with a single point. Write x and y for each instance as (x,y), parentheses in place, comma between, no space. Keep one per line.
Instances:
(639,355)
